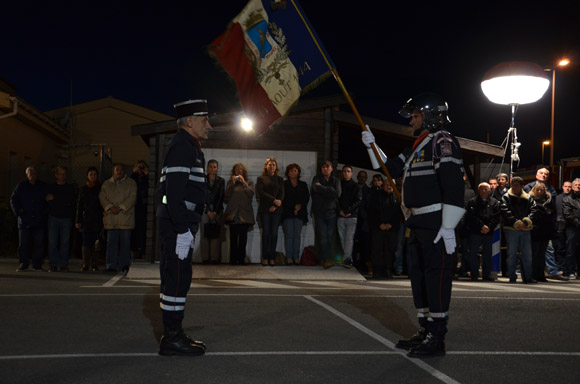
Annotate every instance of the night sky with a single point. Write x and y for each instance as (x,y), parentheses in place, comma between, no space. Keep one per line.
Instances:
(154,54)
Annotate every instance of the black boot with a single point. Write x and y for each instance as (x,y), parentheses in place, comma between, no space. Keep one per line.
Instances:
(178,343)
(430,347)
(413,341)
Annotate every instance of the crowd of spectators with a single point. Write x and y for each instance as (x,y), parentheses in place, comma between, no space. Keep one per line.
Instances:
(355,223)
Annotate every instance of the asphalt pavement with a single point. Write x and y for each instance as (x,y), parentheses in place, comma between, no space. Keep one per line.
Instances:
(288,324)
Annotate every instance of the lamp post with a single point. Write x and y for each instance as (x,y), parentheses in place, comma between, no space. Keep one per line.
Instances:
(561,63)
(544,143)
(513,83)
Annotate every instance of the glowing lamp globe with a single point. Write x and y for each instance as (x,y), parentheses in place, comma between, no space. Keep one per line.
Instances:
(514,83)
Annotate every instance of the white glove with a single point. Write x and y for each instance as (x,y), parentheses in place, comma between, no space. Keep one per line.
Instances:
(448,236)
(367,137)
(183,244)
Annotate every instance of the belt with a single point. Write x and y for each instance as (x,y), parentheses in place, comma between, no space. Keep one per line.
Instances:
(426,209)
(199,208)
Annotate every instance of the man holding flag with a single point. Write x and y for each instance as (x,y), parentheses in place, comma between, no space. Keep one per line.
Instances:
(432,202)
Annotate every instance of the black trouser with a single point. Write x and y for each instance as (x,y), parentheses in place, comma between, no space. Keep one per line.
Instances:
(176,276)
(539,259)
(559,244)
(430,273)
(383,247)
(238,242)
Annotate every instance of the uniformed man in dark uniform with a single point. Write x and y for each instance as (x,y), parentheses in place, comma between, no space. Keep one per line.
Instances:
(182,192)
(432,200)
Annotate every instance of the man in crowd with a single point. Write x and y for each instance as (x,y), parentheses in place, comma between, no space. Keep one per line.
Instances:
(482,216)
(348,202)
(361,237)
(559,241)
(29,206)
(492,183)
(118,195)
(182,190)
(60,202)
(432,201)
(325,190)
(497,193)
(571,213)
(518,210)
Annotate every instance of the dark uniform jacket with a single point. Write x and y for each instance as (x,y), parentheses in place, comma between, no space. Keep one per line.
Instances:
(482,212)
(295,195)
(433,175)
(350,197)
(29,205)
(325,195)
(517,208)
(182,187)
(571,210)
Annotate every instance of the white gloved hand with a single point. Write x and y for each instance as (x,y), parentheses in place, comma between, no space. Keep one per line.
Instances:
(448,236)
(367,137)
(184,244)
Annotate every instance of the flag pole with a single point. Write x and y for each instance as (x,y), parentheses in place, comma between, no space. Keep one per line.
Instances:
(349,99)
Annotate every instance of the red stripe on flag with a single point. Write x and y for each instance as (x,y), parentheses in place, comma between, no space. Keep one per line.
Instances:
(230,50)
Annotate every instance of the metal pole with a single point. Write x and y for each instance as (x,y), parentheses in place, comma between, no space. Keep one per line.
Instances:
(552,124)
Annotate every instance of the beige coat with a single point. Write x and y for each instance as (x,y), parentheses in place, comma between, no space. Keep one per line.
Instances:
(122,194)
(238,198)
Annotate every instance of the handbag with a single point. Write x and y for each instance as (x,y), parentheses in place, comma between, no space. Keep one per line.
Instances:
(211,230)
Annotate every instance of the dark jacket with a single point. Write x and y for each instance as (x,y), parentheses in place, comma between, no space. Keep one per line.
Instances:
(545,220)
(560,221)
(528,187)
(29,205)
(89,210)
(383,208)
(350,197)
(325,195)
(571,210)
(482,212)
(63,204)
(293,196)
(517,208)
(215,195)
(268,189)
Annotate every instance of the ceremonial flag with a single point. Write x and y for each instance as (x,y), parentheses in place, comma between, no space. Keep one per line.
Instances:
(273,55)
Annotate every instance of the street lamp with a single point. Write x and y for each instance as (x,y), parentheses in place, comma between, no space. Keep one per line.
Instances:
(561,63)
(544,143)
(513,83)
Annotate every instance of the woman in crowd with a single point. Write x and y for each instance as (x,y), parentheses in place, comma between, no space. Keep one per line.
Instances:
(294,213)
(239,214)
(270,194)
(544,224)
(89,219)
(384,221)
(212,219)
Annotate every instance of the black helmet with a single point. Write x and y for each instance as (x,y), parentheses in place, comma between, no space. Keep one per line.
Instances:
(433,108)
